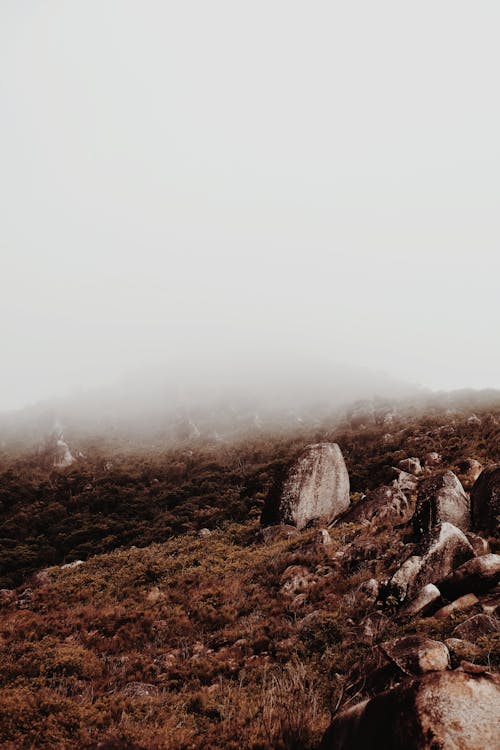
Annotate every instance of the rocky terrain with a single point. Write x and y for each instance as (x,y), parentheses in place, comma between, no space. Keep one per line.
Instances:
(336,587)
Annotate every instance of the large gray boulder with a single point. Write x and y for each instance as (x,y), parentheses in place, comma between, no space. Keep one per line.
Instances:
(439,553)
(316,488)
(382,505)
(485,501)
(441,498)
(445,710)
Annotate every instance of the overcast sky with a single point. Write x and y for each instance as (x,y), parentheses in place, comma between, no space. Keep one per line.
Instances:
(211,180)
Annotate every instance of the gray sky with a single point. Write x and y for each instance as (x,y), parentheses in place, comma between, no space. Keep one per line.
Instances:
(226,179)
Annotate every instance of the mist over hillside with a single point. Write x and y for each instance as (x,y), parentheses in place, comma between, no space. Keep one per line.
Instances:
(217,403)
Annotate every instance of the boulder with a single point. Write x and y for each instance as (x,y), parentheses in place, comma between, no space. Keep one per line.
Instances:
(476,626)
(459,605)
(461,650)
(411,465)
(403,480)
(445,710)
(479,544)
(388,663)
(385,504)
(439,553)
(432,459)
(441,498)
(425,602)
(470,469)
(477,575)
(316,488)
(485,501)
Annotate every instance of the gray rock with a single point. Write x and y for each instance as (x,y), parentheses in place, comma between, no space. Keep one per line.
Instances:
(477,575)
(439,553)
(432,459)
(316,488)
(485,501)
(411,465)
(469,469)
(479,544)
(461,650)
(441,498)
(468,601)
(384,504)
(403,480)
(476,626)
(425,602)
(387,664)
(445,710)
(272,534)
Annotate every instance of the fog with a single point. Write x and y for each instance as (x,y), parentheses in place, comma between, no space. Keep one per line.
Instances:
(226,193)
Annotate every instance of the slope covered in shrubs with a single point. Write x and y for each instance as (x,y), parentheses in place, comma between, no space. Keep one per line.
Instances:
(165,638)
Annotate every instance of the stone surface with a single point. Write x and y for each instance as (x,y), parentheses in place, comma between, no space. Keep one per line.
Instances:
(411,465)
(485,501)
(388,663)
(425,602)
(441,498)
(459,605)
(479,544)
(469,469)
(432,459)
(461,650)
(384,504)
(403,480)
(476,626)
(272,534)
(477,575)
(438,711)
(438,554)
(316,488)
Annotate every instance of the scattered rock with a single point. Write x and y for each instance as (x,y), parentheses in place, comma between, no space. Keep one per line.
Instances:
(204,532)
(295,579)
(316,488)
(440,552)
(491,603)
(485,501)
(474,421)
(476,626)
(403,480)
(272,534)
(441,498)
(374,626)
(390,662)
(323,538)
(423,604)
(370,588)
(461,650)
(411,465)
(381,505)
(74,564)
(479,545)
(432,459)
(459,605)
(477,575)
(470,469)
(446,710)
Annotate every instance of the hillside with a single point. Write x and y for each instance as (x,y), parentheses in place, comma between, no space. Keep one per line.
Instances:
(179,624)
